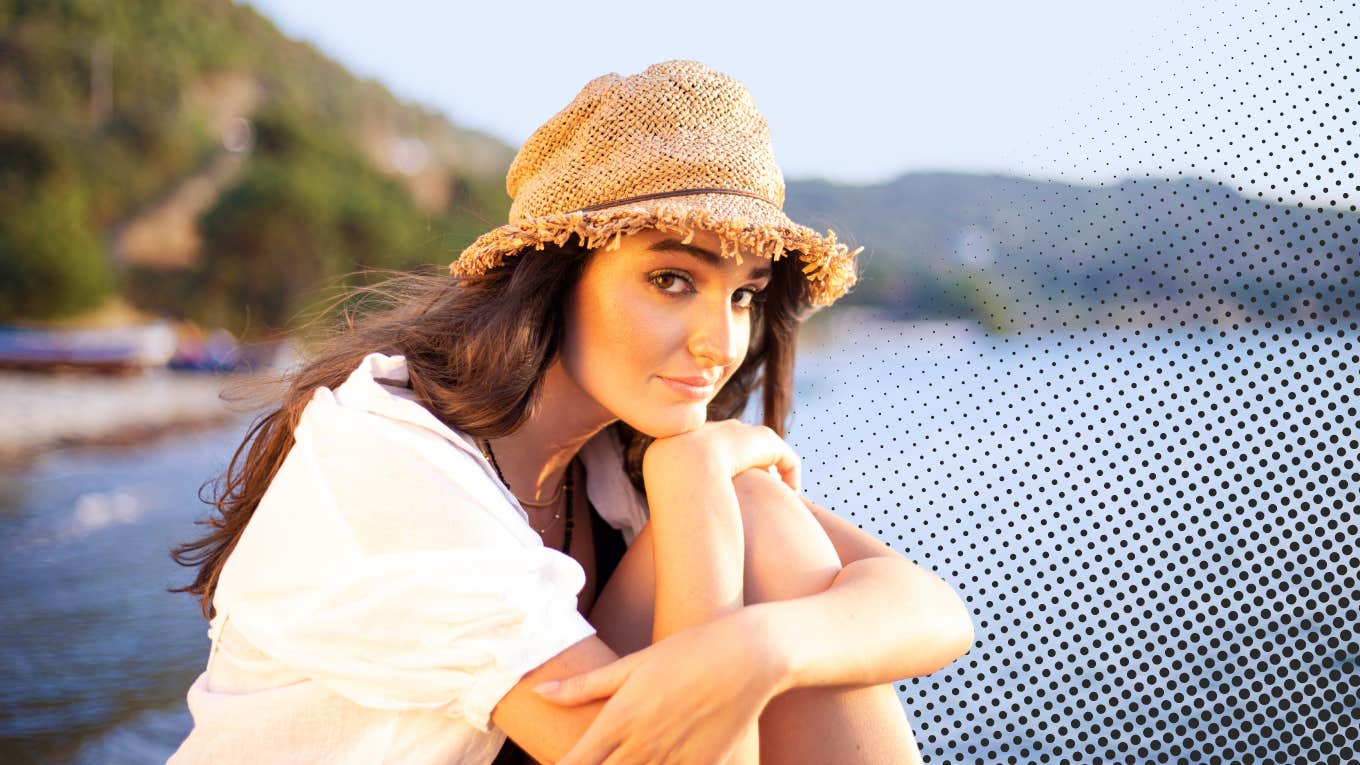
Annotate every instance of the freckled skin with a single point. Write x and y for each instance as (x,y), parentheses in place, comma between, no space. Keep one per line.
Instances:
(637,314)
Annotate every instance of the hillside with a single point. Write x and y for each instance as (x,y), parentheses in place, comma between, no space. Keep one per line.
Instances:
(187,155)
(184,158)
(1156,250)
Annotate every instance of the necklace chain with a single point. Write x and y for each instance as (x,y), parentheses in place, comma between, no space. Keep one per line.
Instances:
(566,487)
(547,502)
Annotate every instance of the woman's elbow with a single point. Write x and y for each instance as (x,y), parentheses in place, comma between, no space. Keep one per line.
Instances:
(950,622)
(960,630)
(954,620)
(963,621)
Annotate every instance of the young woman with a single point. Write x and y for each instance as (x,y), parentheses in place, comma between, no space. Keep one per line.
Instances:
(517,501)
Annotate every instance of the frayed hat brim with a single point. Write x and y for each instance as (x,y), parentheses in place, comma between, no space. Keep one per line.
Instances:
(743,226)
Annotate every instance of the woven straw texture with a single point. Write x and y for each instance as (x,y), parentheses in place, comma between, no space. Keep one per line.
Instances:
(676,127)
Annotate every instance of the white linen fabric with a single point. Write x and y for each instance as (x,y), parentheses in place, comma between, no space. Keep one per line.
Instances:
(387,592)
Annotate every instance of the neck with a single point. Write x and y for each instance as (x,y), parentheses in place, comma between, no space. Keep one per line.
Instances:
(535,457)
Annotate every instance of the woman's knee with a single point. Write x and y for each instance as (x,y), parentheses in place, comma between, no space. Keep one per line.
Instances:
(788,555)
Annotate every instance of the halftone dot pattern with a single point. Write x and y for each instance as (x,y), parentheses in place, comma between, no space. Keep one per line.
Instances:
(1139,470)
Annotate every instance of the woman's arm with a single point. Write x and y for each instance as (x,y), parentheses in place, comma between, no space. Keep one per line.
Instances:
(543,729)
(698,551)
(881,620)
(846,635)
(732,664)
(697,544)
(692,549)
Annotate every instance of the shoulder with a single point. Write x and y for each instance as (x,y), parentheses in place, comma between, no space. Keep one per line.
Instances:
(334,430)
(374,483)
(394,480)
(371,424)
(359,492)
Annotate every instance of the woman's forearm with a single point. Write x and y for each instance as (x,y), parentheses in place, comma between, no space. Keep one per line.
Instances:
(698,560)
(881,620)
(697,547)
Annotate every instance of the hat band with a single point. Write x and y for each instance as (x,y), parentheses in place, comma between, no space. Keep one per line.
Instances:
(679,193)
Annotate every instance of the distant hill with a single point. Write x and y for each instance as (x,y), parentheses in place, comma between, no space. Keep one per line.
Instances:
(188,155)
(1012,251)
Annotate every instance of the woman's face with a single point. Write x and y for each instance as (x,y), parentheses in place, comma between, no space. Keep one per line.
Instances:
(653,313)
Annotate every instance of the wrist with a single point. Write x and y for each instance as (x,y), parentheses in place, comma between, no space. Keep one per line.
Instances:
(676,458)
(772,651)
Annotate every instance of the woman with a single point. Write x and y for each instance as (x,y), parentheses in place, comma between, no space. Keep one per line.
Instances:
(531,472)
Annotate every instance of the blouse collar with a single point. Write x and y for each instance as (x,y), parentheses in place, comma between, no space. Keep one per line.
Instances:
(381,384)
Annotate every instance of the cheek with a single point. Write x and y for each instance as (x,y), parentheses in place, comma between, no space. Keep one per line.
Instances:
(618,341)
(745,348)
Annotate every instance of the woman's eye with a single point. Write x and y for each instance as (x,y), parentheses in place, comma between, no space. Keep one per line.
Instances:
(665,279)
(745,298)
(751,298)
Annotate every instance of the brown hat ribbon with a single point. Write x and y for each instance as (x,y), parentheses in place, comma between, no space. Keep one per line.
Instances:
(678,193)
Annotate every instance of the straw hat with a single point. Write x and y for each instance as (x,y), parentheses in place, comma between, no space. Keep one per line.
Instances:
(676,148)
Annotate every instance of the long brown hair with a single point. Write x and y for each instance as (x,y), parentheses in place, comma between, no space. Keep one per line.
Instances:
(476,352)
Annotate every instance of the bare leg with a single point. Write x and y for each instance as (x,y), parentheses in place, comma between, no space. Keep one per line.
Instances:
(789,556)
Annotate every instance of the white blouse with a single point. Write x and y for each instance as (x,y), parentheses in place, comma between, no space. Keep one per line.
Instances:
(387,592)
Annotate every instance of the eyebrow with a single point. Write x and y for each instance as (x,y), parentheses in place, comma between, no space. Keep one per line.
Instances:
(694,251)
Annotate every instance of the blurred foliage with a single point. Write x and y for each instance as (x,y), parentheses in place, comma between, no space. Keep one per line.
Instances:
(50,262)
(154,52)
(106,108)
(307,211)
(79,159)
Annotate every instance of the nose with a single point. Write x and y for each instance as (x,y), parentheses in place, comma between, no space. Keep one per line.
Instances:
(715,334)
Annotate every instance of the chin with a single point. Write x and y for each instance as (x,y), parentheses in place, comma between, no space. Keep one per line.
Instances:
(665,425)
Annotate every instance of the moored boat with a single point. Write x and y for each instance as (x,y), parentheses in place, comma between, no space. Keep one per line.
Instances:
(121,349)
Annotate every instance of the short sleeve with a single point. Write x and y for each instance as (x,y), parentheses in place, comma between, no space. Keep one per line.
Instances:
(384,564)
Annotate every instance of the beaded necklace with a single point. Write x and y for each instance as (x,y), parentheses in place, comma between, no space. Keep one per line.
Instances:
(566,543)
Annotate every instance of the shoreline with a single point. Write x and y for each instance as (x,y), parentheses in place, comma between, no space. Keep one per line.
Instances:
(44,412)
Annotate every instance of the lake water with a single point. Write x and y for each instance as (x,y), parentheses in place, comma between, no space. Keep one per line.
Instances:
(1155,532)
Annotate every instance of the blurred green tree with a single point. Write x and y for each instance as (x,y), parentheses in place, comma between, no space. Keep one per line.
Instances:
(51,262)
(109,108)
(307,211)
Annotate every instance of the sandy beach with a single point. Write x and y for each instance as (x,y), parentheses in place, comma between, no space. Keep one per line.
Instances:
(46,411)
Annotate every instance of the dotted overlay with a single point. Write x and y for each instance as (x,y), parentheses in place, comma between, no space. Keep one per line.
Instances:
(1139,468)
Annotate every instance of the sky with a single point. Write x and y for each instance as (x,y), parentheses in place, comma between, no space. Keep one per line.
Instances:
(861,91)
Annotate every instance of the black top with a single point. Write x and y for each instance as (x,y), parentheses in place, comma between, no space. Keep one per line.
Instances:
(609,550)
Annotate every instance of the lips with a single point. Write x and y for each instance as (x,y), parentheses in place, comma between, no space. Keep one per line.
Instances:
(689,390)
(698,382)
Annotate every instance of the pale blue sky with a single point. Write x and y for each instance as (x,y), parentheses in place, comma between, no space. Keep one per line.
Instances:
(860,90)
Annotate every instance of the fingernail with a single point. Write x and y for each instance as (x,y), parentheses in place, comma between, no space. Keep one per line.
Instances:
(547,687)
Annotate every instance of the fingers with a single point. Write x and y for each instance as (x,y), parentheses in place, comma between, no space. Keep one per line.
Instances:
(585,753)
(741,445)
(597,746)
(784,459)
(598,683)
(580,756)
(790,469)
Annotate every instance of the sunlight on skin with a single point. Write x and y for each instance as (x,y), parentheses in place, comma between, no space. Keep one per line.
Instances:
(650,309)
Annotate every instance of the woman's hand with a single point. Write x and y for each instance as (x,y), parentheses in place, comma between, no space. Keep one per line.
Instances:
(735,447)
(685,699)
